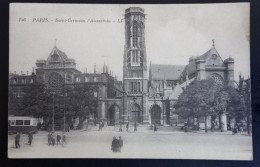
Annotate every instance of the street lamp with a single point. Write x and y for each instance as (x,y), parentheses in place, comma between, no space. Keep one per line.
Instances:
(135,128)
(161,94)
(53,112)
(65,94)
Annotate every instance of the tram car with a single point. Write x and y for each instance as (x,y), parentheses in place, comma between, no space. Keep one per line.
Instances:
(22,124)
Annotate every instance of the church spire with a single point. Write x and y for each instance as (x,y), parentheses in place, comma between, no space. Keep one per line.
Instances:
(104,68)
(55,42)
(213,43)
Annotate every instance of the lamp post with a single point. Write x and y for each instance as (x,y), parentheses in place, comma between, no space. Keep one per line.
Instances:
(53,112)
(135,126)
(64,121)
(162,107)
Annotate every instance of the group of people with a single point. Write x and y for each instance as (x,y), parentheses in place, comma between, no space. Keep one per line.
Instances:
(18,137)
(117,144)
(237,129)
(126,126)
(60,139)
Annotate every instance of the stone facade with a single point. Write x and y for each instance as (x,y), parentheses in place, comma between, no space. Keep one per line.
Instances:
(138,98)
(135,78)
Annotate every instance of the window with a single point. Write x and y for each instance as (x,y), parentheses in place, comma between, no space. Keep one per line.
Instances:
(19,122)
(69,77)
(86,79)
(31,81)
(34,122)
(12,122)
(95,79)
(135,34)
(135,57)
(95,94)
(77,79)
(135,87)
(27,122)
(23,80)
(15,81)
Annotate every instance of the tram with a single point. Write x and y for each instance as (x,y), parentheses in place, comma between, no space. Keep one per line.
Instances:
(22,124)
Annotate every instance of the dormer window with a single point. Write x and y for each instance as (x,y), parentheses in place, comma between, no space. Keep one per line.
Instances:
(23,81)
(77,79)
(15,81)
(55,57)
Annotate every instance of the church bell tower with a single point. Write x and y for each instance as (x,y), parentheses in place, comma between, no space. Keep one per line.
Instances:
(135,67)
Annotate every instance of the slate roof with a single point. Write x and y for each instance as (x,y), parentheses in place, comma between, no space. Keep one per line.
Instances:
(166,72)
(191,67)
(61,53)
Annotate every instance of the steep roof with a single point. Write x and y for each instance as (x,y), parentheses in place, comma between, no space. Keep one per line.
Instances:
(58,52)
(166,72)
(207,56)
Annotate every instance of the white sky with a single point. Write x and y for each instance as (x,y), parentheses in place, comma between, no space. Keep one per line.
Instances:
(173,34)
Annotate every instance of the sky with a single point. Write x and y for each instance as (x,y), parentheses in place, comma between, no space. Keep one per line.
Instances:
(173,33)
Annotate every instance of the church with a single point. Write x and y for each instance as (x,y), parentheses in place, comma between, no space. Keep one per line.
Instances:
(147,93)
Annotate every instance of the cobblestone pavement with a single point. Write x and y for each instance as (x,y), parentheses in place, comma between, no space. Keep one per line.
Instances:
(167,142)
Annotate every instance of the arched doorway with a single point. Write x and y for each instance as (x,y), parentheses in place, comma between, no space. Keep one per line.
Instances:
(156,115)
(135,113)
(113,115)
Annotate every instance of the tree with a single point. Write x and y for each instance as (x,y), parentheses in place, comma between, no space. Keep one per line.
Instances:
(197,99)
(82,103)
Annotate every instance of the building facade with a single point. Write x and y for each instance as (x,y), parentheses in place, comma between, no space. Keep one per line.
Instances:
(135,78)
(139,98)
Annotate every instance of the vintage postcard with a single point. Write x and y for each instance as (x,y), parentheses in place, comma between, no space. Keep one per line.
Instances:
(130,81)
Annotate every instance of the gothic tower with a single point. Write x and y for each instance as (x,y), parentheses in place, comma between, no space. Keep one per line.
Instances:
(135,67)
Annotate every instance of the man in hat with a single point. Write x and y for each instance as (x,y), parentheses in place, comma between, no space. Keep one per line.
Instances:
(30,138)
(17,140)
(120,143)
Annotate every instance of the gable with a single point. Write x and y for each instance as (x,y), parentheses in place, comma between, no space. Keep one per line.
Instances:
(212,58)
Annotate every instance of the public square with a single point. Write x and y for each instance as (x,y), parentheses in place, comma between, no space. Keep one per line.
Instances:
(166,143)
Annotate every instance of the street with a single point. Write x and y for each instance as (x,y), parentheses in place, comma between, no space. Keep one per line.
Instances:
(144,143)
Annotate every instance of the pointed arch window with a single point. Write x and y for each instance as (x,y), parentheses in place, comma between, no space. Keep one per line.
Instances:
(135,27)
(128,35)
(141,35)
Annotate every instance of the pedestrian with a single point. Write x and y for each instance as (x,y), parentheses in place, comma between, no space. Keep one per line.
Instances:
(52,140)
(58,139)
(120,127)
(127,126)
(17,140)
(30,138)
(120,143)
(99,127)
(49,138)
(64,138)
(114,144)
(235,130)
(155,128)
(103,124)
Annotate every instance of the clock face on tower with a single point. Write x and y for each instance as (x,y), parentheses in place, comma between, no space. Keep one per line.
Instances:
(217,79)
(55,80)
